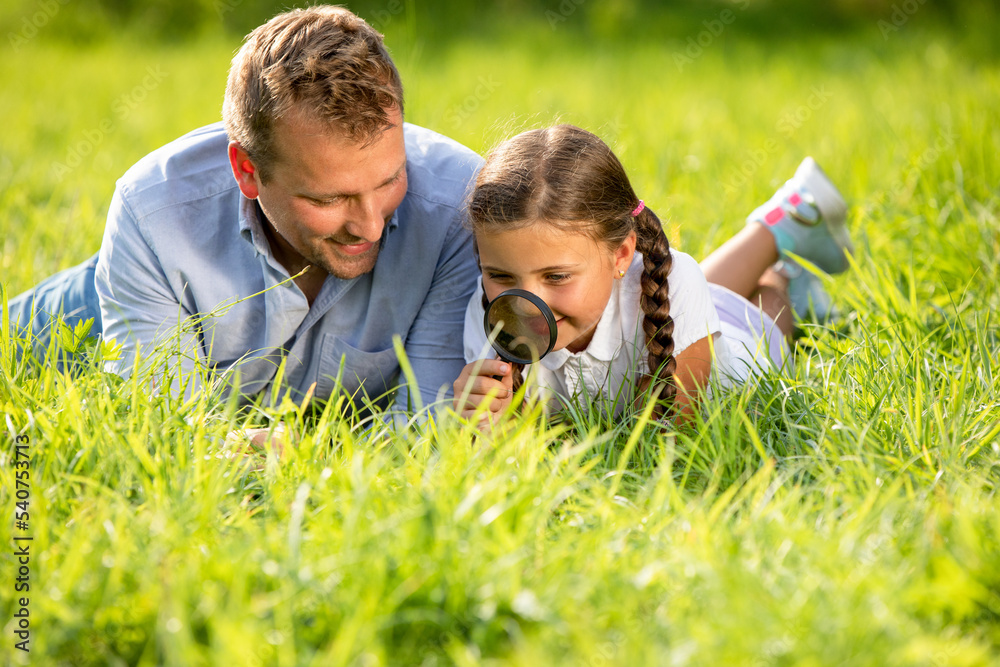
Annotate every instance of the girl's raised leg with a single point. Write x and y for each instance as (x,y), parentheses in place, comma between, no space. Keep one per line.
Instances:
(744,264)
(805,217)
(739,263)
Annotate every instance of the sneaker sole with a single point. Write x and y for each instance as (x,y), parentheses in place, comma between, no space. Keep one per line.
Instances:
(828,200)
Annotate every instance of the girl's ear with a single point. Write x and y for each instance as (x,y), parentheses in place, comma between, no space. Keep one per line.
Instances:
(623,255)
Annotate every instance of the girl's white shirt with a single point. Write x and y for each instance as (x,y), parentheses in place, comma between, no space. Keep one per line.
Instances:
(608,366)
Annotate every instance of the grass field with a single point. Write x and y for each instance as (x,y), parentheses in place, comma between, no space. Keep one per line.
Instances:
(846,513)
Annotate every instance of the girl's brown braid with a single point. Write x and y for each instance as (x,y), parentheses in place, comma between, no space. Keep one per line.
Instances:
(657,323)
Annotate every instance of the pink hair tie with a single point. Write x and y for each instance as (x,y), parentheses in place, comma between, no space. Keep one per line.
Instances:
(638,209)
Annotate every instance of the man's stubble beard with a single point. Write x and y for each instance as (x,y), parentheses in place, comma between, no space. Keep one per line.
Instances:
(350,268)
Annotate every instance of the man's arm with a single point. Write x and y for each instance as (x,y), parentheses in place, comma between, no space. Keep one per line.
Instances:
(434,343)
(138,306)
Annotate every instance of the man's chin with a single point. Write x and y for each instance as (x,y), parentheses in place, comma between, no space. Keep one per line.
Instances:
(348,267)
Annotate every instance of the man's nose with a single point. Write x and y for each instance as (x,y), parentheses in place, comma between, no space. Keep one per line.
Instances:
(367,221)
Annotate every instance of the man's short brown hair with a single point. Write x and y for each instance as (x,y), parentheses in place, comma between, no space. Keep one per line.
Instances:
(324,60)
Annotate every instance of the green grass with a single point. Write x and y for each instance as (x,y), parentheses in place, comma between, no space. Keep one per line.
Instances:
(843,514)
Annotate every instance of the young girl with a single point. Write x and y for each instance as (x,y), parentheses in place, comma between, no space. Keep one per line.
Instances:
(553,213)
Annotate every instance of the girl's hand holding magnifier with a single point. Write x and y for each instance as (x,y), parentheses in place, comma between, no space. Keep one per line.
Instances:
(522,330)
(485,379)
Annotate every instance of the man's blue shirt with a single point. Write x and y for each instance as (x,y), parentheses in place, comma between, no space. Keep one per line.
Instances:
(183,245)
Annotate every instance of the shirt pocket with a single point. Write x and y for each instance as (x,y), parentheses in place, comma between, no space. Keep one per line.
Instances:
(371,374)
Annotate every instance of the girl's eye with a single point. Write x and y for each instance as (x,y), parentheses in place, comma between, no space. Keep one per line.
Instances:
(557,277)
(498,277)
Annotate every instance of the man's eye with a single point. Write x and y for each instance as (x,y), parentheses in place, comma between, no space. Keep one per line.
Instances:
(393,180)
(326,202)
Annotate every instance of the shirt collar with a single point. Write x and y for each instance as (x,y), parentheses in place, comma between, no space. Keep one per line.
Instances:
(251,228)
(394,220)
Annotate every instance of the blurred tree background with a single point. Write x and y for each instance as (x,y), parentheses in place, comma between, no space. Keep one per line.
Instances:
(90,86)
(85,21)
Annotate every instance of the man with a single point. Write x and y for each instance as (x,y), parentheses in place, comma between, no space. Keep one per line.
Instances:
(312,226)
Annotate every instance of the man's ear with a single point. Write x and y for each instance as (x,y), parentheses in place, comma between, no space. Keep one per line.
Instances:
(244,171)
(624,253)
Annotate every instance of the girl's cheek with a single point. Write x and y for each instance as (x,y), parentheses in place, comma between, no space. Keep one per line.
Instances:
(562,307)
(573,297)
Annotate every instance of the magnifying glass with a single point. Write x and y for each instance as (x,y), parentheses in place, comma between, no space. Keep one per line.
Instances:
(520,326)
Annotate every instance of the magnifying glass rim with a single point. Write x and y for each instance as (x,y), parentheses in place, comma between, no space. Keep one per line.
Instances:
(542,307)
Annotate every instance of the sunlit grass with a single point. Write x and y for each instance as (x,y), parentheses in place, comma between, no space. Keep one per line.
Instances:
(842,513)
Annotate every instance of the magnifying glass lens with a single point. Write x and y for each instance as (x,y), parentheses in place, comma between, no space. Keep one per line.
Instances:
(521,327)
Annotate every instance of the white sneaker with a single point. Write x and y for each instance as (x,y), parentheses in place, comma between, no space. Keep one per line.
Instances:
(807,216)
(809,298)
